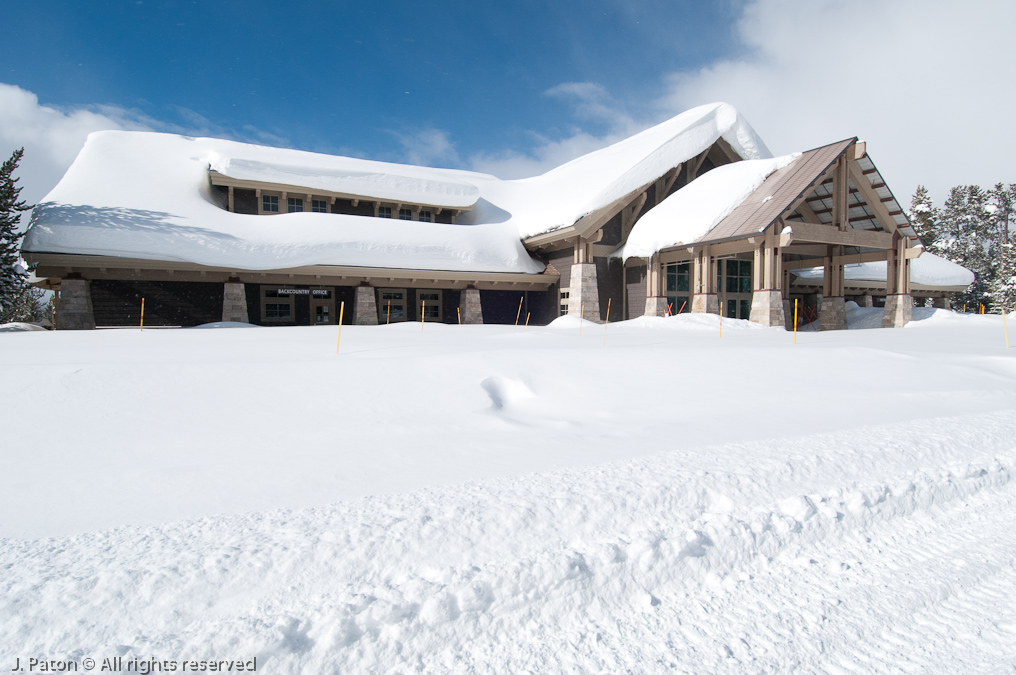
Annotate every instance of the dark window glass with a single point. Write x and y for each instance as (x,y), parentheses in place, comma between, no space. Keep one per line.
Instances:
(405,214)
(295,205)
(745,309)
(384,212)
(426,217)
(270,203)
(731,309)
(318,206)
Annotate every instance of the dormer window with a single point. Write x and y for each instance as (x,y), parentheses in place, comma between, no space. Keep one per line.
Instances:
(384,212)
(295,205)
(405,214)
(270,203)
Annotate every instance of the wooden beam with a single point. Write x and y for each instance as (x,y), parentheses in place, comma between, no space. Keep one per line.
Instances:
(855,259)
(871,197)
(829,234)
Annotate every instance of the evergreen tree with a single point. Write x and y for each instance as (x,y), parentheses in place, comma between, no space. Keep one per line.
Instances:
(1002,290)
(965,237)
(16,296)
(925,216)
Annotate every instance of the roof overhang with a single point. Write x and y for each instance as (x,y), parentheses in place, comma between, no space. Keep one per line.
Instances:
(54,266)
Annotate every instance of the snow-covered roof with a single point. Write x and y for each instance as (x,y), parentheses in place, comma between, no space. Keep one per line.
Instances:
(926,270)
(694,210)
(147,195)
(375,180)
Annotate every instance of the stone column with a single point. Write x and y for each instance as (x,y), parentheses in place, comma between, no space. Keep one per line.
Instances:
(234,302)
(899,304)
(832,315)
(767,297)
(705,300)
(656,303)
(767,308)
(866,301)
(656,306)
(899,310)
(469,306)
(365,306)
(583,292)
(941,303)
(75,309)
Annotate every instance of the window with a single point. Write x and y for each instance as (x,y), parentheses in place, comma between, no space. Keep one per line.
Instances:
(278,310)
(276,305)
(270,203)
(392,306)
(428,304)
(738,276)
(563,302)
(318,206)
(678,287)
(295,205)
(405,214)
(426,217)
(384,212)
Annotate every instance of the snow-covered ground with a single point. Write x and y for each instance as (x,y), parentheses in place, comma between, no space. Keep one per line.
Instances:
(492,499)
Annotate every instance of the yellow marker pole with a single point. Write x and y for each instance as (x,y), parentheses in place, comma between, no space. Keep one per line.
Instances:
(342,309)
(795,321)
(423,315)
(388,318)
(519,313)
(527,321)
(1005,327)
(582,313)
(142,314)
(605,323)
(458,310)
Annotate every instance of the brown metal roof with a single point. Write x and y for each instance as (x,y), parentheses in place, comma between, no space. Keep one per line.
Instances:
(776,194)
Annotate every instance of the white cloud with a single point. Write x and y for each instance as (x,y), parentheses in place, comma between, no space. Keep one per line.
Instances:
(926,82)
(428,147)
(590,102)
(51,138)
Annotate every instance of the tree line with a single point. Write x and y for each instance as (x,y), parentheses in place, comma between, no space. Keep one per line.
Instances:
(972,229)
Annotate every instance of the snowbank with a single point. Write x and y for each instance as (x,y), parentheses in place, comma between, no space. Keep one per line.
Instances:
(926,270)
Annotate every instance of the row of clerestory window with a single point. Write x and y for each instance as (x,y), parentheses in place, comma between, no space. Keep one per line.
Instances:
(270,204)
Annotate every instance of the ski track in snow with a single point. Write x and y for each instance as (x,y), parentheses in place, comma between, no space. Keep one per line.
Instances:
(883,549)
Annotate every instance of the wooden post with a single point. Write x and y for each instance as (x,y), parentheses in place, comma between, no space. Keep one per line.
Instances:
(519,312)
(342,309)
(142,314)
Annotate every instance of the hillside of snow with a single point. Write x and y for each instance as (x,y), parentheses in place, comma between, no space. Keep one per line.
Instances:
(649,496)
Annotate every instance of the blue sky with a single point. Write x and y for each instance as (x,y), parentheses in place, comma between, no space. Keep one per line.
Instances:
(516,88)
(357,77)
